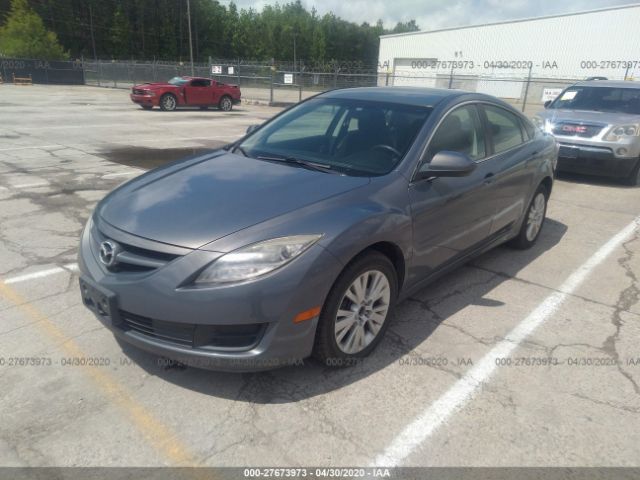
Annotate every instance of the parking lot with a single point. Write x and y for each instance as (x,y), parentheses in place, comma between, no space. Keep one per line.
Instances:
(526,358)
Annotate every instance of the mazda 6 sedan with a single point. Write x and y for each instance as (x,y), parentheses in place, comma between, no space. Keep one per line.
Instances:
(300,238)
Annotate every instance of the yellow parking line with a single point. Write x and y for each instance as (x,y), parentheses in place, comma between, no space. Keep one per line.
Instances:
(157,434)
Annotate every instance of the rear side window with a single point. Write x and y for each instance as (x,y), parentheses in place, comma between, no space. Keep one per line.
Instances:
(504,127)
(460,131)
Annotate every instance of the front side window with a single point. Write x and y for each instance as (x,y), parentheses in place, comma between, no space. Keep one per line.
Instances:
(200,82)
(504,127)
(351,136)
(460,131)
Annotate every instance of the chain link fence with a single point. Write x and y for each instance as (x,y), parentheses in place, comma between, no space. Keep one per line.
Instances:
(282,83)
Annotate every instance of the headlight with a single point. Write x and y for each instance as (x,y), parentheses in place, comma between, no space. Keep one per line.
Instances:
(620,131)
(255,260)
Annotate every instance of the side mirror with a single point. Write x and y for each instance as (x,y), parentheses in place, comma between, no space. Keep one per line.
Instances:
(252,128)
(547,103)
(447,164)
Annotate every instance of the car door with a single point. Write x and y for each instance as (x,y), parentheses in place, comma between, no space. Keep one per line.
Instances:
(197,92)
(511,153)
(452,215)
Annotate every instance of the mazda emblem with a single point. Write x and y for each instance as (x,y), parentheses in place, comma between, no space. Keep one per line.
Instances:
(108,253)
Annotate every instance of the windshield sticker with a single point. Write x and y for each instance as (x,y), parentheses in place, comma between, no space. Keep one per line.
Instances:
(569,95)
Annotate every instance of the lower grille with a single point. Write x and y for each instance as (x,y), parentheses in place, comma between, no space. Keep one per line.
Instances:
(236,337)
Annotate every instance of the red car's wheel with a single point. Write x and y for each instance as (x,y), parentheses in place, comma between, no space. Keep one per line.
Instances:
(168,102)
(225,103)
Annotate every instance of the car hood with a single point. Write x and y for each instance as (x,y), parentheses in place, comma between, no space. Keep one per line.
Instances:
(152,86)
(605,118)
(197,201)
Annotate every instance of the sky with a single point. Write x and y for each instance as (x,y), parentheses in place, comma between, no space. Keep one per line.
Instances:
(435,14)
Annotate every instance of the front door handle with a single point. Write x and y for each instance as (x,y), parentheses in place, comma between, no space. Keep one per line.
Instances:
(489,178)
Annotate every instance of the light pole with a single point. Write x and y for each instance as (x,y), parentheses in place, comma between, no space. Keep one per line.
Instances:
(190,42)
(295,68)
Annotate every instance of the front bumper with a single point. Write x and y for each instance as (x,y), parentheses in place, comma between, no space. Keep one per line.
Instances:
(146,100)
(592,160)
(152,311)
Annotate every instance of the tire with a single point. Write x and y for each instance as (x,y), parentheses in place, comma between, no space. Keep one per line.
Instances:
(168,102)
(533,220)
(225,104)
(146,107)
(335,347)
(633,179)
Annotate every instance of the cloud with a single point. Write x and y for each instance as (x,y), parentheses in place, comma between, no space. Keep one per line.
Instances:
(434,14)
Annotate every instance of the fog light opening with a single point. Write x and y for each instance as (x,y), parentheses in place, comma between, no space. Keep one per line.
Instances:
(621,151)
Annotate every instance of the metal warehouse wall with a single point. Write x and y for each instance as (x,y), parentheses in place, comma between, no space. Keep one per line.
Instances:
(598,43)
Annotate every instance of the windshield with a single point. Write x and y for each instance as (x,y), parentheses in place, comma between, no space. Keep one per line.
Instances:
(349,136)
(178,81)
(600,99)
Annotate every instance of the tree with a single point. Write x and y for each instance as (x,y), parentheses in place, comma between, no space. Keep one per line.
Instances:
(25,36)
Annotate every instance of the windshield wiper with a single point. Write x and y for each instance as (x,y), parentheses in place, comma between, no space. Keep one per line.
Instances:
(318,167)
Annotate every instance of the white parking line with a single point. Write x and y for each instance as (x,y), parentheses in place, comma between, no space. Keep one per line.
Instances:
(464,389)
(31,185)
(27,148)
(42,273)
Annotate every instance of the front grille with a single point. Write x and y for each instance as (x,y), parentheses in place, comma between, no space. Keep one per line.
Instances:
(237,337)
(130,258)
(568,129)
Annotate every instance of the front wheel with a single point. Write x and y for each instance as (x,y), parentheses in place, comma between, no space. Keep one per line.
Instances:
(533,220)
(168,102)
(355,314)
(225,104)
(634,177)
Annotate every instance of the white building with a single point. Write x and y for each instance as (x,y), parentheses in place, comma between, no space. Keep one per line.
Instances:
(498,58)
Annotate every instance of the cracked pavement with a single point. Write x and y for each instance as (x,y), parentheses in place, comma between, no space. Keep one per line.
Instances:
(569,396)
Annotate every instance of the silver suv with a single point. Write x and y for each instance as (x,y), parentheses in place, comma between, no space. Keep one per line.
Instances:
(597,125)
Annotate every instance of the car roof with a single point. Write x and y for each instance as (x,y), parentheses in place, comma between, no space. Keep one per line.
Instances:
(426,97)
(608,83)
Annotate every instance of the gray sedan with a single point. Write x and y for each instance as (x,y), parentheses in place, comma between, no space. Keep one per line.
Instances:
(300,238)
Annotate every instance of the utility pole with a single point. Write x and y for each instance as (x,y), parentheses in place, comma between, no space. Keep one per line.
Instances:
(190,42)
(93,39)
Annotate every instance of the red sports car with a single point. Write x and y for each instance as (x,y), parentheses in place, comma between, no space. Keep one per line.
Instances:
(186,92)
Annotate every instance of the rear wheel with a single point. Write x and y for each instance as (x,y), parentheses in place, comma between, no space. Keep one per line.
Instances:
(533,220)
(225,103)
(168,102)
(634,177)
(355,314)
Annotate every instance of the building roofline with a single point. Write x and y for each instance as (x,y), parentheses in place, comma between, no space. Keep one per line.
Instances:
(520,20)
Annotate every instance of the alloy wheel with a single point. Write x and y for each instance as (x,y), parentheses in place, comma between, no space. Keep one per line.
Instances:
(536,216)
(362,312)
(169,102)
